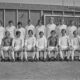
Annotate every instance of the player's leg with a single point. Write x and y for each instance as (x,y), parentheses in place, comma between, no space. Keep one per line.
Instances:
(33,53)
(72,54)
(68,54)
(50,51)
(45,55)
(16,52)
(61,54)
(13,55)
(2,53)
(21,55)
(25,55)
(7,50)
(56,53)
(38,53)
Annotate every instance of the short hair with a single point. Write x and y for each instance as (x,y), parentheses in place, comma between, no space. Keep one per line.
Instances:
(39,21)
(19,23)
(53,31)
(30,31)
(7,32)
(63,30)
(41,32)
(18,32)
(10,21)
(74,32)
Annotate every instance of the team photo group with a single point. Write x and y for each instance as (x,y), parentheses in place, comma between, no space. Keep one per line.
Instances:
(49,42)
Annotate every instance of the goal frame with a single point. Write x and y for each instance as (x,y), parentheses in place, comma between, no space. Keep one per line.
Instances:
(76,16)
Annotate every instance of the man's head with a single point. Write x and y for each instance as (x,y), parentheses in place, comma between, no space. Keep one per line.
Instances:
(51,20)
(62,21)
(63,32)
(53,33)
(7,34)
(10,23)
(29,22)
(72,23)
(41,34)
(19,24)
(39,22)
(30,33)
(18,33)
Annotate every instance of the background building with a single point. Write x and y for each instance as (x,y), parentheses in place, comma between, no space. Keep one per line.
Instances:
(22,10)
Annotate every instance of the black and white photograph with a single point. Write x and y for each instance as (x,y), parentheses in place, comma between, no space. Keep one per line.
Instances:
(39,39)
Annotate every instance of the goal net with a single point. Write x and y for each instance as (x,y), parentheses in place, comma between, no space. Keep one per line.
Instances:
(58,18)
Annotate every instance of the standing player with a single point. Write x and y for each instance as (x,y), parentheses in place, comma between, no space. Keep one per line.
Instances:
(41,45)
(18,45)
(30,44)
(63,44)
(63,25)
(6,46)
(40,28)
(53,44)
(11,28)
(30,27)
(51,26)
(71,29)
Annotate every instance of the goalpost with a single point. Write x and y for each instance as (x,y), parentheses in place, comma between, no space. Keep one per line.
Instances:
(58,18)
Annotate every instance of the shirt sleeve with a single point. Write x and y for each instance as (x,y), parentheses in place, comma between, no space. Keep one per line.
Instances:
(2,43)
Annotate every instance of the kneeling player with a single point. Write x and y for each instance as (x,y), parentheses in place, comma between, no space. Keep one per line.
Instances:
(63,44)
(17,46)
(30,44)
(41,45)
(6,46)
(53,44)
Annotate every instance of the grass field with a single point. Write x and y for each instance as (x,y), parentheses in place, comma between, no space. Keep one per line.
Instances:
(40,71)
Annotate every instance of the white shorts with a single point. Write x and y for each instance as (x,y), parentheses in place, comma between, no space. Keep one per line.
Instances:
(29,47)
(17,48)
(64,47)
(50,48)
(6,48)
(75,47)
(41,48)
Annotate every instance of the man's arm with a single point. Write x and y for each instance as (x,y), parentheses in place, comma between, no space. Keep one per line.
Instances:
(2,42)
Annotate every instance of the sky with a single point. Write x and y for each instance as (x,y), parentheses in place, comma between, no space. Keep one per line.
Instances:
(47,2)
